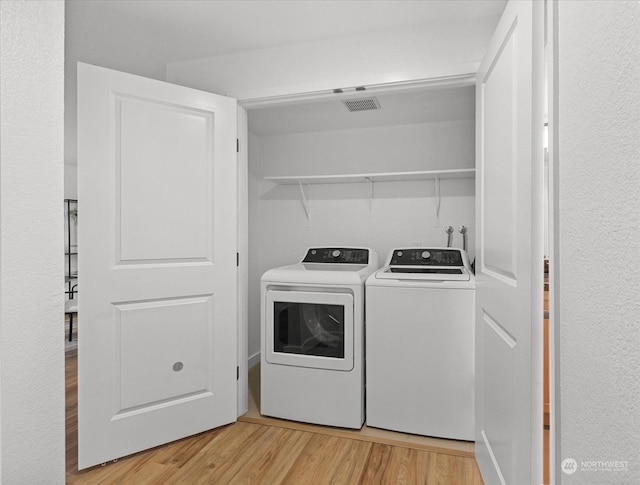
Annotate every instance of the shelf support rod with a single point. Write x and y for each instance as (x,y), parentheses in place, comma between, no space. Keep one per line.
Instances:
(370,185)
(305,202)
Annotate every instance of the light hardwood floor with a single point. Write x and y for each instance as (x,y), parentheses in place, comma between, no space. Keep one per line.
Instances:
(248,452)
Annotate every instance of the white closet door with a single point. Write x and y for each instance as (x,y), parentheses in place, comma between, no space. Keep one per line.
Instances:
(157,190)
(509,254)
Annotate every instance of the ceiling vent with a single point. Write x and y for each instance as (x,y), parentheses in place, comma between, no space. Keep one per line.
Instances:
(361,104)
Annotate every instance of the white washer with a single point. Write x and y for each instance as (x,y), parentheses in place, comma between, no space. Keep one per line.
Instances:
(420,343)
(312,359)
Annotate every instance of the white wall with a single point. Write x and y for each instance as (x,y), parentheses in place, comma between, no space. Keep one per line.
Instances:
(424,146)
(130,45)
(403,213)
(445,48)
(31,245)
(255,246)
(599,234)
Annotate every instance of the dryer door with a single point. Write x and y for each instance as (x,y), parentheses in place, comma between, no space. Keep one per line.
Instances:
(308,329)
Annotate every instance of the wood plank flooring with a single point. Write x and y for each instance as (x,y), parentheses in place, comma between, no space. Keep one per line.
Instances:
(249,453)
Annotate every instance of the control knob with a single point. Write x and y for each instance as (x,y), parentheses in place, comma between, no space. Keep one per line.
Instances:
(336,253)
(425,255)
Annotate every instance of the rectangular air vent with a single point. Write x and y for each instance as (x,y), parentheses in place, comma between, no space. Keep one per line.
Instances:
(361,104)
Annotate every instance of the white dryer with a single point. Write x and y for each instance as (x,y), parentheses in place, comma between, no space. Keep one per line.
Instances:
(420,343)
(312,356)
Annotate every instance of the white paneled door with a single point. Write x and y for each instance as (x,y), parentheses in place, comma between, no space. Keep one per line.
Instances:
(157,188)
(509,265)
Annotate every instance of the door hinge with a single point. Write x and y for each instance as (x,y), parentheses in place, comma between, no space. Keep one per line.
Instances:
(237,259)
(237,145)
(237,373)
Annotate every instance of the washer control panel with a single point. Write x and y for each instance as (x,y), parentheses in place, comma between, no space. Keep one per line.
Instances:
(337,255)
(426,257)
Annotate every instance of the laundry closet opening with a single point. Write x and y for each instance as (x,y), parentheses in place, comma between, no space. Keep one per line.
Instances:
(395,174)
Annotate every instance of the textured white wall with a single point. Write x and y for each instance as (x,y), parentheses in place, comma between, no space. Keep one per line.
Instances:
(31,243)
(418,52)
(599,220)
(403,213)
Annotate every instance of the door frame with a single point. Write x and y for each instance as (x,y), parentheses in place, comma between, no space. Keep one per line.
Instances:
(405,86)
(467,79)
(553,276)
(242,224)
(551,83)
(244,105)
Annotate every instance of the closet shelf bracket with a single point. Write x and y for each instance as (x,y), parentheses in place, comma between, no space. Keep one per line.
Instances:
(436,189)
(305,202)
(370,186)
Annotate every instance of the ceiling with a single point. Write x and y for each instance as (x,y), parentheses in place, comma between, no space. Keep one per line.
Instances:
(190,29)
(143,36)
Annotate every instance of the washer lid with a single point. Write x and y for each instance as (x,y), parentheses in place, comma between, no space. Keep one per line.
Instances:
(432,273)
(427,264)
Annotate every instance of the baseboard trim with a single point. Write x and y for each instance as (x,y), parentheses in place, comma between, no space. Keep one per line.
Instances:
(254,360)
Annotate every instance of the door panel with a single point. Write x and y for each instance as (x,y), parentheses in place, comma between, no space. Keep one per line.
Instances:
(509,267)
(159,143)
(157,185)
(144,380)
(500,195)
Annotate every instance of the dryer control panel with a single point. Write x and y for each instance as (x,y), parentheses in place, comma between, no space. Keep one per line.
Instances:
(337,255)
(426,257)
